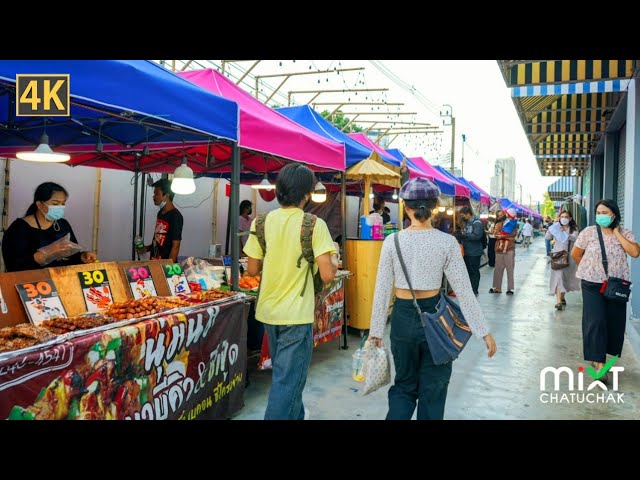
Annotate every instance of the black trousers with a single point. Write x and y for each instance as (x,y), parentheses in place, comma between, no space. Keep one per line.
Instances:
(473,268)
(603,324)
(491,251)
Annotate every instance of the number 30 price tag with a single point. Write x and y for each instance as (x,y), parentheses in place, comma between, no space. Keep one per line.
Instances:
(41,301)
(95,289)
(176,279)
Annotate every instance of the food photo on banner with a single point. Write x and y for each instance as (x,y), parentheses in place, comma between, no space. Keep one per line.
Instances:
(183,366)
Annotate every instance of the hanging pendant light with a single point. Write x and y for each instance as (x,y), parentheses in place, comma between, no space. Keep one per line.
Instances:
(43,153)
(441,209)
(450,211)
(395,194)
(319,194)
(264,184)
(183,183)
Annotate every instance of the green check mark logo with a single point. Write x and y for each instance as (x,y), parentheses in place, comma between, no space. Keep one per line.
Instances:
(603,370)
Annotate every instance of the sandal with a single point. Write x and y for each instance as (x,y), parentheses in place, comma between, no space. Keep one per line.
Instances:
(509,292)
(558,306)
(494,290)
(564,302)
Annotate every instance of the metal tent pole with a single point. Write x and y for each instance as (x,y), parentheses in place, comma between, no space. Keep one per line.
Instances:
(234,204)
(143,203)
(135,213)
(343,209)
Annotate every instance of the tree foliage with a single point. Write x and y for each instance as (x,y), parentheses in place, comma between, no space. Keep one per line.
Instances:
(339,121)
(547,206)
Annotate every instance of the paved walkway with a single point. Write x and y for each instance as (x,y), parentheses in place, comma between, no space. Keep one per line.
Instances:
(530,334)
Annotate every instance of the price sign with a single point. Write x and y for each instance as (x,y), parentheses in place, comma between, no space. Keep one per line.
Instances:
(176,279)
(140,281)
(41,301)
(96,290)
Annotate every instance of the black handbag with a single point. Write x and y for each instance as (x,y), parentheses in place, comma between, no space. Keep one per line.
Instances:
(614,288)
(446,330)
(560,260)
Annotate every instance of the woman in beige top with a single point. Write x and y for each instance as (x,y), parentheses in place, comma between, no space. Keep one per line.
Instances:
(603,321)
(428,254)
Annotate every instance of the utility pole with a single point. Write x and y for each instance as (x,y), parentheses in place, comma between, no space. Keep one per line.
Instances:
(453,133)
(520,185)
(464,138)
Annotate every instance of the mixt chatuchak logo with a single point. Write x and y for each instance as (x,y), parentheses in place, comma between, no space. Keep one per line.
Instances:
(570,388)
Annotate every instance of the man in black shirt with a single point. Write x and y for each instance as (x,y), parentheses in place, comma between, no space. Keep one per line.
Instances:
(168,232)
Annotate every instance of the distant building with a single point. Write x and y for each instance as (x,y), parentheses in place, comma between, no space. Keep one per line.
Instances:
(509,167)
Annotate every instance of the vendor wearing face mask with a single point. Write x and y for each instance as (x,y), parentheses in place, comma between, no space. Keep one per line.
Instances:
(42,225)
(168,232)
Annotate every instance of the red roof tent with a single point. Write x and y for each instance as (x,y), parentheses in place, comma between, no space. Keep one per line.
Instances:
(265,131)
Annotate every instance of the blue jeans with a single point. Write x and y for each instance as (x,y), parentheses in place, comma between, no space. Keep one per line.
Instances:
(290,347)
(417,378)
(547,244)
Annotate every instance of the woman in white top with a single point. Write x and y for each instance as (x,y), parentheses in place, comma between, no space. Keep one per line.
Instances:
(428,254)
(565,234)
(527,233)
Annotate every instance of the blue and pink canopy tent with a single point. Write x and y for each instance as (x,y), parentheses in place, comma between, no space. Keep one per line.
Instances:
(269,133)
(311,120)
(125,114)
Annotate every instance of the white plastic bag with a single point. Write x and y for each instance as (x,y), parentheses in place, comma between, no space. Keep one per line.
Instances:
(376,368)
(60,249)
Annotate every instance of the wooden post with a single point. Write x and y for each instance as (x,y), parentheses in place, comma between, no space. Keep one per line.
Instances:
(400,214)
(367,190)
(96,210)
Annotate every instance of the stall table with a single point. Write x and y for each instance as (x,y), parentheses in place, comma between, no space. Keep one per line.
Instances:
(187,365)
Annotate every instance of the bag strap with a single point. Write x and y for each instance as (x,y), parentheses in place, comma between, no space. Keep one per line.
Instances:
(306,242)
(396,241)
(262,241)
(605,262)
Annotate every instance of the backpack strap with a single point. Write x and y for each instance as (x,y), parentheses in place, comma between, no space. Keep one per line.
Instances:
(306,242)
(259,233)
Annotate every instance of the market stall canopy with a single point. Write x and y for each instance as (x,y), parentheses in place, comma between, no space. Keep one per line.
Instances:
(414,170)
(476,193)
(448,186)
(266,131)
(373,169)
(312,120)
(482,191)
(124,113)
(362,139)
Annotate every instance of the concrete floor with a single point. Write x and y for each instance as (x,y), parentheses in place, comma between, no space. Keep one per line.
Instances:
(530,335)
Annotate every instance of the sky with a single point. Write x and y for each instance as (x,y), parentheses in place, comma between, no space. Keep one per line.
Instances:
(475,89)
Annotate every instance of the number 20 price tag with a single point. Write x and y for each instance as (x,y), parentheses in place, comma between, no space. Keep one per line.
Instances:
(141,282)
(176,279)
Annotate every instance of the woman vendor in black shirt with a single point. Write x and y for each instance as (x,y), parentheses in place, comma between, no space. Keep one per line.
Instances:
(42,225)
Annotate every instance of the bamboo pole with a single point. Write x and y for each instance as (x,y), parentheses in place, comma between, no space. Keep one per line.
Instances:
(96,210)
(5,203)
(254,200)
(367,190)
(400,214)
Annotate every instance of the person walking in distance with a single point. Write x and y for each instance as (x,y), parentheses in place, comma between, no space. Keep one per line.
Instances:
(428,254)
(603,320)
(286,300)
(563,280)
(527,233)
(471,238)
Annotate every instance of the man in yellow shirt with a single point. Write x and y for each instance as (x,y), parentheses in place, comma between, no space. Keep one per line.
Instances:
(285,305)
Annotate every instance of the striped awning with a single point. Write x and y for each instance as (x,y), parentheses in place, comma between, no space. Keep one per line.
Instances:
(562,188)
(565,105)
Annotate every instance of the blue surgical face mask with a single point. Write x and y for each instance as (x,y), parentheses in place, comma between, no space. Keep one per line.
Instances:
(54,213)
(161,206)
(604,220)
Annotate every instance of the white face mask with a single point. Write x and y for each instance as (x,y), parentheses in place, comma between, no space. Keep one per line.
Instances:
(564,221)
